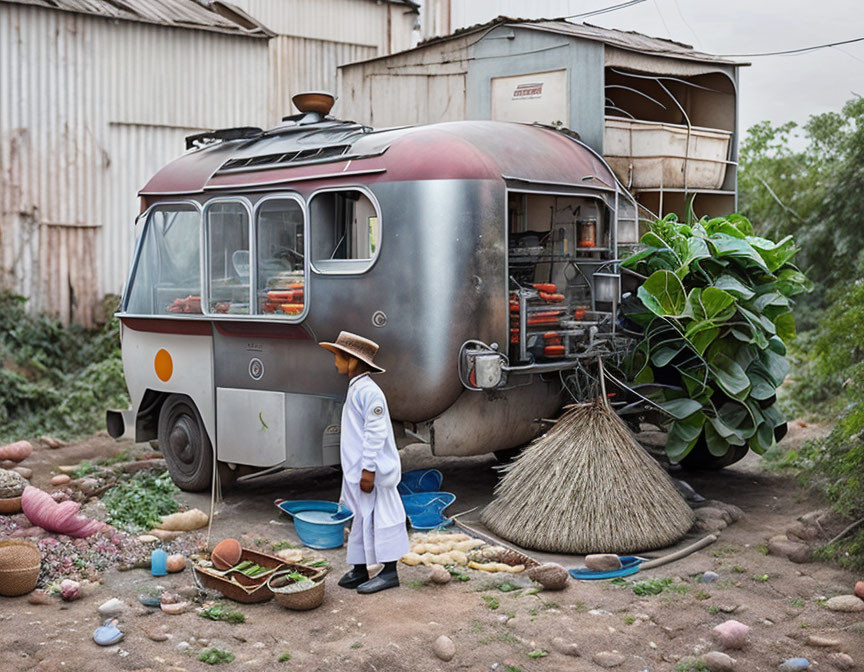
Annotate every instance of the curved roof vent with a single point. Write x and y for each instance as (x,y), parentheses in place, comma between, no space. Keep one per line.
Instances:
(314,105)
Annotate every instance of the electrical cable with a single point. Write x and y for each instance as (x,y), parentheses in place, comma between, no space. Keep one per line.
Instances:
(800,50)
(604,10)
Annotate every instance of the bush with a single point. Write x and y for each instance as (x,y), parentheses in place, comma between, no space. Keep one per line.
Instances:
(55,379)
(716,314)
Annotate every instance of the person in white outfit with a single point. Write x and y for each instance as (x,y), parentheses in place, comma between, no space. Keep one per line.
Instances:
(370,470)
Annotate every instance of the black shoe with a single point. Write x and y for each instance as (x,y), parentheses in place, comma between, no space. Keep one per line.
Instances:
(354,578)
(380,582)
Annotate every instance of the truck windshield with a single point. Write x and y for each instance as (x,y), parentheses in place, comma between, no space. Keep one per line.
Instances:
(167,274)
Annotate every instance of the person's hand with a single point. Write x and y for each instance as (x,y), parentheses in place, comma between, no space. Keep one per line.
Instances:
(367,481)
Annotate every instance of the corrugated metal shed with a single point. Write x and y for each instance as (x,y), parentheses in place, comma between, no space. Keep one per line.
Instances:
(97,95)
(83,126)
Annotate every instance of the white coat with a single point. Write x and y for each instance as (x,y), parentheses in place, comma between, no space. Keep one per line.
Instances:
(378,531)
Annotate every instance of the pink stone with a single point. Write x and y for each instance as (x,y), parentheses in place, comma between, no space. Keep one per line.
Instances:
(731,634)
(61,479)
(859,589)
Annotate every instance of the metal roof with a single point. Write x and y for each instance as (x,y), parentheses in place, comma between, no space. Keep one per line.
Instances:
(217,16)
(622,39)
(452,150)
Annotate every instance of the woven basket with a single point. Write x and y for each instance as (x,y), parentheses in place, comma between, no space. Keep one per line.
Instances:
(20,562)
(305,599)
(10,505)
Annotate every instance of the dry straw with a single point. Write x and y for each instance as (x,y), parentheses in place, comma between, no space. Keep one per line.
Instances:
(587,486)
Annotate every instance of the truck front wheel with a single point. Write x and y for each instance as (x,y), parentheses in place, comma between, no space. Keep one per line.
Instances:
(185,444)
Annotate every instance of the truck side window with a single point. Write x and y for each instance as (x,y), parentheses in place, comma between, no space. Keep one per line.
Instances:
(167,273)
(281,258)
(227,258)
(345,230)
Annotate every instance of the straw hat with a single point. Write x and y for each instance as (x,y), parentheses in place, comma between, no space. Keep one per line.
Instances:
(355,346)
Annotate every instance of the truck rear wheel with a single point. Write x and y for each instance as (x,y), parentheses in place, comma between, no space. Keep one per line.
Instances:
(185,444)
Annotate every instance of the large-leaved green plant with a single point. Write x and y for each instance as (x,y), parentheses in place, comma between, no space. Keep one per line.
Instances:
(715,308)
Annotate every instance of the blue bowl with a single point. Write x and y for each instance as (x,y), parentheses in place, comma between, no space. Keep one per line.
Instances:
(425,510)
(420,480)
(319,524)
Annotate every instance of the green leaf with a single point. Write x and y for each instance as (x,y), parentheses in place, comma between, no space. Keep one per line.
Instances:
(727,246)
(734,286)
(711,304)
(632,262)
(785,325)
(663,294)
(774,254)
(760,387)
(681,408)
(762,439)
(717,445)
(701,335)
(683,436)
(730,376)
(662,356)
(775,366)
(776,345)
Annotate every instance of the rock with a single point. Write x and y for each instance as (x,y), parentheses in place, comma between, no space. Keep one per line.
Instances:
(12,484)
(108,633)
(550,575)
(711,525)
(147,539)
(88,486)
(602,562)
(26,472)
(39,597)
(60,479)
(111,608)
(444,648)
(812,517)
(842,661)
(156,635)
(70,590)
(709,577)
(816,640)
(439,575)
(177,563)
(859,589)
(712,513)
(608,659)
(51,442)
(845,603)
(184,646)
(795,665)
(717,661)
(801,532)
(731,634)
(164,535)
(795,551)
(565,648)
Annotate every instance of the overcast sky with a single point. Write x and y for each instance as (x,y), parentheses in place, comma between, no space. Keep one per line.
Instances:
(779,88)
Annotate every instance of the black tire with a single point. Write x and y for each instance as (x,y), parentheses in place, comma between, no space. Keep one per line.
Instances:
(185,444)
(700,458)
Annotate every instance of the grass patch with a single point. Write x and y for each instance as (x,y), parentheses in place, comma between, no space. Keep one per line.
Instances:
(629,620)
(550,605)
(214,656)
(282,545)
(797,602)
(357,645)
(725,551)
(691,666)
(713,610)
(738,569)
(507,637)
(491,602)
(138,504)
(763,549)
(284,658)
(761,578)
(647,587)
(538,653)
(512,668)
(222,612)
(702,595)
(415,584)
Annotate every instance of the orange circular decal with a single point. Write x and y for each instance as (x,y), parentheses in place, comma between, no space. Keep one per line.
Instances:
(163,365)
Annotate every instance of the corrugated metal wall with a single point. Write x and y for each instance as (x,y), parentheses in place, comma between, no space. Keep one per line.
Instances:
(89,110)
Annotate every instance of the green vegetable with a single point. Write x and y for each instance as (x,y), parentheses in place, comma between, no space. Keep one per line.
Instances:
(221,612)
(215,656)
(138,504)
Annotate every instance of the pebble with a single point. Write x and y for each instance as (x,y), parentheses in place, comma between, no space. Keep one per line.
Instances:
(26,472)
(608,659)
(859,589)
(184,646)
(39,597)
(602,562)
(795,665)
(564,647)
(801,532)
(712,513)
(845,603)
(816,640)
(439,575)
(731,634)
(147,539)
(717,661)
(709,577)
(842,661)
(60,479)
(156,635)
(711,525)
(111,608)
(599,612)
(444,648)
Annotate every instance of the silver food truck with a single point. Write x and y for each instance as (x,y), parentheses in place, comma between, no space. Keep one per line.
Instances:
(480,255)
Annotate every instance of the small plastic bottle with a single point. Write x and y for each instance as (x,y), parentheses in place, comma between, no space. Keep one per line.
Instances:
(158,562)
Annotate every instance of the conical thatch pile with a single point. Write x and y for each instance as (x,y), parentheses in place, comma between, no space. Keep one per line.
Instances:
(587,486)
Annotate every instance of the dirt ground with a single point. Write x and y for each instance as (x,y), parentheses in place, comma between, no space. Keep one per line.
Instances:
(395,630)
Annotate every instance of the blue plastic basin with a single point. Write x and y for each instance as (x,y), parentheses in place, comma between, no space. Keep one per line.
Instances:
(319,524)
(420,480)
(425,510)
(629,565)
